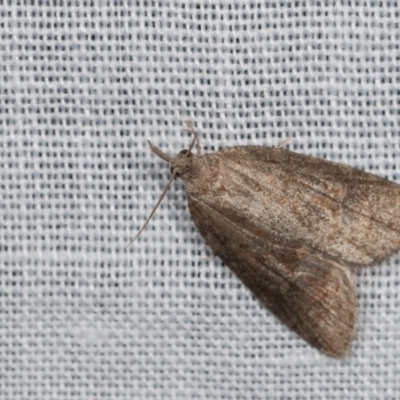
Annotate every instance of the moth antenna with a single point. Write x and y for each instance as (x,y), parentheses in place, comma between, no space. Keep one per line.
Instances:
(196,139)
(159,152)
(154,209)
(284,142)
(209,257)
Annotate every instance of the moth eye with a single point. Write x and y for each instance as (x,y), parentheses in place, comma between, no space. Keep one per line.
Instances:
(176,171)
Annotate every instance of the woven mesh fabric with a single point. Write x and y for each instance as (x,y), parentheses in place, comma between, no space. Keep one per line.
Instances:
(83,85)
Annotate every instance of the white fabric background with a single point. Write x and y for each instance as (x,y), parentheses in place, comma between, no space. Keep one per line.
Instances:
(82,88)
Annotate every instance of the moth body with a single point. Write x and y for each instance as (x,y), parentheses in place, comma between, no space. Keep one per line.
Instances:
(293,228)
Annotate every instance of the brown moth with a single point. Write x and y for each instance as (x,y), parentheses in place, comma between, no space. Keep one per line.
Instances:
(293,228)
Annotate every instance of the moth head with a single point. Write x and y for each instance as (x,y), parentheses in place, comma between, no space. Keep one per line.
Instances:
(179,165)
(181,162)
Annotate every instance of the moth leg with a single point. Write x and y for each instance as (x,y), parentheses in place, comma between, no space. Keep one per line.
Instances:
(284,143)
(209,257)
(196,139)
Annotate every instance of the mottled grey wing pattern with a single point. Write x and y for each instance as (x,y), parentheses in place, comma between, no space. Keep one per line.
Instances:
(291,231)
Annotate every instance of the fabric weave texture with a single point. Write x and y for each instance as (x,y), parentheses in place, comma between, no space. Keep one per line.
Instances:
(83,86)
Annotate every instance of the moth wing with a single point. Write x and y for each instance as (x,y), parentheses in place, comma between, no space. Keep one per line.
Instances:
(348,213)
(292,227)
(320,304)
(313,295)
(365,207)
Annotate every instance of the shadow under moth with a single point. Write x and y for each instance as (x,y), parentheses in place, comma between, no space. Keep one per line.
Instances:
(293,228)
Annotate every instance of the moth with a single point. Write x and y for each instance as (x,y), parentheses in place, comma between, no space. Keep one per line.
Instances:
(293,228)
